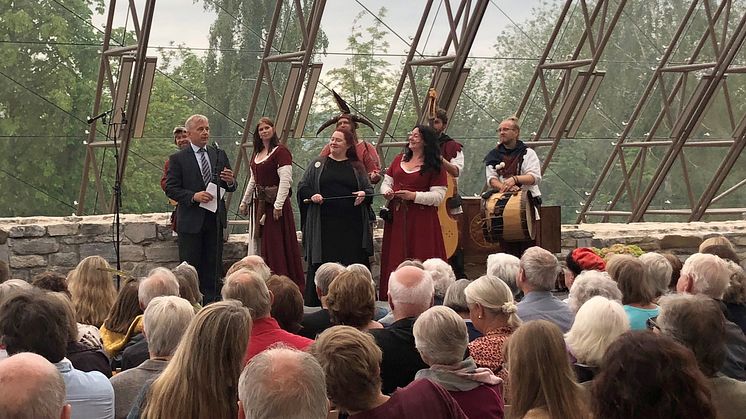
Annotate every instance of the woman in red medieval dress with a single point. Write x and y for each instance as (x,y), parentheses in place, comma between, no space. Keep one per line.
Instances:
(414,185)
(269,189)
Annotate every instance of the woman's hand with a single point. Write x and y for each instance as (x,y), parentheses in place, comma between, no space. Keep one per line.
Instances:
(243,209)
(389,195)
(360,197)
(277,213)
(317,198)
(406,195)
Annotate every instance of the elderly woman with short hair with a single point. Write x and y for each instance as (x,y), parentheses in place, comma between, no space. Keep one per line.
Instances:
(597,324)
(442,275)
(637,294)
(505,266)
(658,272)
(455,299)
(441,339)
(590,284)
(493,313)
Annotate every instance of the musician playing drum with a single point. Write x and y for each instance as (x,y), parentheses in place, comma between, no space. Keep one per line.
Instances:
(521,171)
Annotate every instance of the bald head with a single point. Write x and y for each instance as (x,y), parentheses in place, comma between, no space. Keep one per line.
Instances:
(31,388)
(253,263)
(411,291)
(283,383)
(251,290)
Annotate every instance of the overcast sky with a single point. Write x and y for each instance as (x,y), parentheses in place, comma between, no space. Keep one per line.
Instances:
(186,22)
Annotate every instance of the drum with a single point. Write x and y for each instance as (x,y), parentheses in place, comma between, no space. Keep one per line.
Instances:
(508,217)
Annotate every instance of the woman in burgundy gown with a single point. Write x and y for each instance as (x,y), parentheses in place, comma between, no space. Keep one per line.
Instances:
(414,185)
(269,189)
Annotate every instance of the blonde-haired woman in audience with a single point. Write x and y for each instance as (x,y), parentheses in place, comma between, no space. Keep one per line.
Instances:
(542,383)
(201,380)
(188,279)
(352,301)
(494,314)
(92,289)
(597,324)
(441,339)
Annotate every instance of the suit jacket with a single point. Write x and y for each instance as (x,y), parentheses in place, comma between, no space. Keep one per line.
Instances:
(184,179)
(315,323)
(127,384)
(135,352)
(401,361)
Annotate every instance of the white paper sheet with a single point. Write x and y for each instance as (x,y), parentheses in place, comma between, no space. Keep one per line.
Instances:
(212,189)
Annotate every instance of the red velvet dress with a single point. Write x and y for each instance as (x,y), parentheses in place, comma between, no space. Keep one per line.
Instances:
(415,231)
(280,248)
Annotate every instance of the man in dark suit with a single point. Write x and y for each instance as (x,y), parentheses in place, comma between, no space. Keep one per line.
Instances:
(190,170)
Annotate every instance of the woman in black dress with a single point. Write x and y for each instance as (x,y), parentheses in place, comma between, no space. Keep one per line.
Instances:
(335,230)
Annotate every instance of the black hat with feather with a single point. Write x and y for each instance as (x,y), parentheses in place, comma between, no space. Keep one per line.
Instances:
(345,113)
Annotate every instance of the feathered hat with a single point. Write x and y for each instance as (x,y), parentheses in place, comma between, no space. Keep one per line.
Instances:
(345,113)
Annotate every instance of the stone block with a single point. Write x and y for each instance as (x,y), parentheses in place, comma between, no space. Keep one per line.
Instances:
(139,232)
(64,259)
(131,253)
(647,244)
(4,236)
(95,229)
(28,261)
(234,250)
(162,253)
(105,250)
(678,241)
(39,246)
(63,229)
(27,231)
(165,232)
(737,240)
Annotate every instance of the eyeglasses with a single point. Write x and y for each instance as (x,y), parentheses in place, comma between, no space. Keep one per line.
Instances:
(652,323)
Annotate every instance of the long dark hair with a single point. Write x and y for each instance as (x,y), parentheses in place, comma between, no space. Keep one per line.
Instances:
(431,150)
(351,144)
(258,143)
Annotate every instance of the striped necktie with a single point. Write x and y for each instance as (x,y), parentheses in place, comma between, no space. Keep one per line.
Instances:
(204,165)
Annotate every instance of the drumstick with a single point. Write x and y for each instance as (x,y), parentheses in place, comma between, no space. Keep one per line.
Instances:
(308,200)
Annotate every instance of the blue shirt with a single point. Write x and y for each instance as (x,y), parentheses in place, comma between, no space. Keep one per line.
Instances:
(638,317)
(542,305)
(89,393)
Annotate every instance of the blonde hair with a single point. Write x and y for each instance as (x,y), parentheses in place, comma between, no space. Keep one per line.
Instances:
(351,300)
(494,296)
(201,380)
(597,324)
(540,373)
(92,289)
(715,241)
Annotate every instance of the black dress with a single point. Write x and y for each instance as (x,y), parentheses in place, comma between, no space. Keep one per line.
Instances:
(342,232)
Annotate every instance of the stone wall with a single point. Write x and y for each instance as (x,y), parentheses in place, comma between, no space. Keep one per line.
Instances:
(35,244)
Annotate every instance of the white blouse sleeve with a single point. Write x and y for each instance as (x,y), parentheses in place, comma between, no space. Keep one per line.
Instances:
(248,195)
(433,197)
(286,179)
(387,184)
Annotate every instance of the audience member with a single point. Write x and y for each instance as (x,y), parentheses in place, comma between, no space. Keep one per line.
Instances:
(318,321)
(83,357)
(598,323)
(647,375)
(657,272)
(254,263)
(352,301)
(32,389)
(493,312)
(590,284)
(282,383)
(361,269)
(724,251)
(455,299)
(287,304)
(4,271)
(697,323)
(201,380)
(505,266)
(188,279)
(676,266)
(92,288)
(735,296)
(637,293)
(538,273)
(35,321)
(165,321)
(410,293)
(8,289)
(352,361)
(442,274)
(159,282)
(717,240)
(542,384)
(441,338)
(583,259)
(124,319)
(251,290)
(709,275)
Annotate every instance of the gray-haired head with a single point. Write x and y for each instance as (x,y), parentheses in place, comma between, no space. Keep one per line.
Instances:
(283,383)
(325,274)
(704,274)
(658,272)
(456,298)
(247,287)
(505,267)
(159,282)
(440,336)
(590,284)
(441,273)
(413,287)
(165,320)
(494,295)
(33,388)
(540,269)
